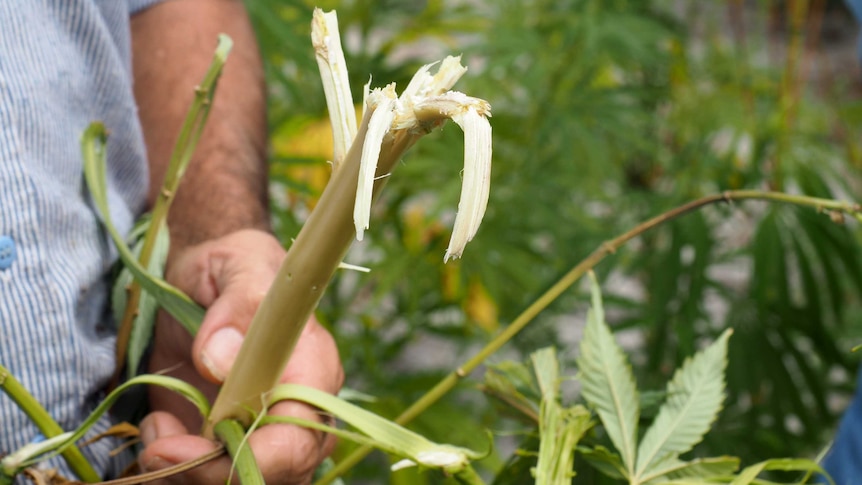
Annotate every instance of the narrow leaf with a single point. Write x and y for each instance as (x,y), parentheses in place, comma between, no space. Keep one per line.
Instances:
(415,447)
(232,434)
(177,303)
(695,396)
(608,382)
(145,317)
(188,391)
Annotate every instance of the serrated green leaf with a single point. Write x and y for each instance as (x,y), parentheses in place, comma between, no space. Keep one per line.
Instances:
(608,382)
(749,474)
(701,468)
(695,396)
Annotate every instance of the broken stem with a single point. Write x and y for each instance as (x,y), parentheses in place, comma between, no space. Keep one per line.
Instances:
(309,265)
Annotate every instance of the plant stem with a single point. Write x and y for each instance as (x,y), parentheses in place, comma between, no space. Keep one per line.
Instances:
(232,434)
(46,424)
(572,276)
(309,265)
(190,133)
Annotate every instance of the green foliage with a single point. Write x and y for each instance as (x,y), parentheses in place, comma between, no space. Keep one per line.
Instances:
(608,384)
(145,317)
(561,428)
(694,397)
(605,113)
(187,312)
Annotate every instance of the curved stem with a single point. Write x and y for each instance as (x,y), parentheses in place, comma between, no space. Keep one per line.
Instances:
(572,276)
(46,424)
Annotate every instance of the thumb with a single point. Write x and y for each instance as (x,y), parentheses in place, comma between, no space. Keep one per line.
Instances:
(230,276)
(218,342)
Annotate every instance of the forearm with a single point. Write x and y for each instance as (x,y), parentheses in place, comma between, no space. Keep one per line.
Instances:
(224,188)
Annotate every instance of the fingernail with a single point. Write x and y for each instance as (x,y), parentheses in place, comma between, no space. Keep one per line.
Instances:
(220,351)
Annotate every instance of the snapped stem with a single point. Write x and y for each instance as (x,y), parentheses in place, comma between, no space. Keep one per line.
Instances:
(307,268)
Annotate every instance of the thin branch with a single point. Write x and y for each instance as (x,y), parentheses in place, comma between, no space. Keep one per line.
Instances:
(834,207)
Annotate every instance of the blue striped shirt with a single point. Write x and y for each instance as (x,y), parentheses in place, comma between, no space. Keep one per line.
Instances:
(63,64)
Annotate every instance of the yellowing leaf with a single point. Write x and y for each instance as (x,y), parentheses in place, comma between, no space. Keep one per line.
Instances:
(313,140)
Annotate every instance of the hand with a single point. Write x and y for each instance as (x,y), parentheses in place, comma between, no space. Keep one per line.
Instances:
(230,277)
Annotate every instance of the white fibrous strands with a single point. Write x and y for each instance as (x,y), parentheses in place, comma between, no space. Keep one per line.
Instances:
(426,103)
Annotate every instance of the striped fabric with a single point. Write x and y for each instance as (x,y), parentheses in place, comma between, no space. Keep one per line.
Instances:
(63,64)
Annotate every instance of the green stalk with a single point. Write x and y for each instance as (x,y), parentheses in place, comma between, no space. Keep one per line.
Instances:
(232,434)
(190,133)
(836,209)
(46,424)
(309,265)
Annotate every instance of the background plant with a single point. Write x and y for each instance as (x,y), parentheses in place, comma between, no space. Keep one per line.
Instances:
(605,113)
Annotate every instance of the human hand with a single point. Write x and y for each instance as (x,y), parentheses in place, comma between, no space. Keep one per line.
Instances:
(230,276)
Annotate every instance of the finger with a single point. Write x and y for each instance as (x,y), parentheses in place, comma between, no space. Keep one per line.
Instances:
(239,282)
(168,443)
(315,361)
(288,453)
(158,425)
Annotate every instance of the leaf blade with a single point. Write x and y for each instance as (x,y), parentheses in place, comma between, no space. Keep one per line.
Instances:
(695,396)
(608,381)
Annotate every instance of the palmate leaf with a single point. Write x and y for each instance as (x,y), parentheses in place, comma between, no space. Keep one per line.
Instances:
(695,396)
(608,382)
